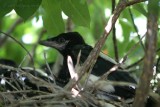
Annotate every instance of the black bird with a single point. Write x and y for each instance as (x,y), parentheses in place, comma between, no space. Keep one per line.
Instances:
(19,82)
(70,44)
(9,75)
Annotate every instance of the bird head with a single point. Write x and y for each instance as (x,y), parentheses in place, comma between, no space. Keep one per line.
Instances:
(64,41)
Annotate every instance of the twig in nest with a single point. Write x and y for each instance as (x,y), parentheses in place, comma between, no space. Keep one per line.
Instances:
(114,68)
(73,74)
(33,79)
(48,67)
(71,68)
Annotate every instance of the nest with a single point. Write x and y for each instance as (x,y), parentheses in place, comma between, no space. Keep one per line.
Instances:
(24,88)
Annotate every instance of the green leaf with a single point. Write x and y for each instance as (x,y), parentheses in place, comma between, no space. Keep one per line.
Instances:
(52,17)
(77,10)
(26,8)
(140,8)
(6,6)
(98,25)
(153,7)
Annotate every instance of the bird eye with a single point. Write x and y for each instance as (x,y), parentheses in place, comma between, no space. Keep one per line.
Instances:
(61,40)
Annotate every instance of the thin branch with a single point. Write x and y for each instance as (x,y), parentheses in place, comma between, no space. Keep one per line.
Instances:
(20,45)
(91,60)
(32,79)
(140,60)
(49,69)
(114,35)
(136,29)
(10,84)
(69,26)
(133,48)
(35,46)
(151,41)
(25,91)
(10,30)
(158,65)
(135,63)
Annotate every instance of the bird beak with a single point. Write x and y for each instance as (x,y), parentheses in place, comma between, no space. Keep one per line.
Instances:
(53,44)
(46,43)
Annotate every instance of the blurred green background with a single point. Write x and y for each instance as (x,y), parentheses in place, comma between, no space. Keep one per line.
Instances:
(47,18)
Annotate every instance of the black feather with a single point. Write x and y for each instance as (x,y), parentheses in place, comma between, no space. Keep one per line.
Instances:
(70,44)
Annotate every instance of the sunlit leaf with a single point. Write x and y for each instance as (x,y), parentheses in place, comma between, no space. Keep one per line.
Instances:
(6,6)
(140,8)
(26,8)
(77,10)
(52,17)
(98,22)
(153,6)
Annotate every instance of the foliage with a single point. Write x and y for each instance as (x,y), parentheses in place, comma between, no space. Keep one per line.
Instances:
(94,17)
(29,21)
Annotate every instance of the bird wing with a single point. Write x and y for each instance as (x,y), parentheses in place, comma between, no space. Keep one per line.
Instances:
(103,63)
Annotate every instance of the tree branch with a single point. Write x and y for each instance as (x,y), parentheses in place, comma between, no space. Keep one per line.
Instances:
(151,41)
(91,60)
(10,30)
(114,35)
